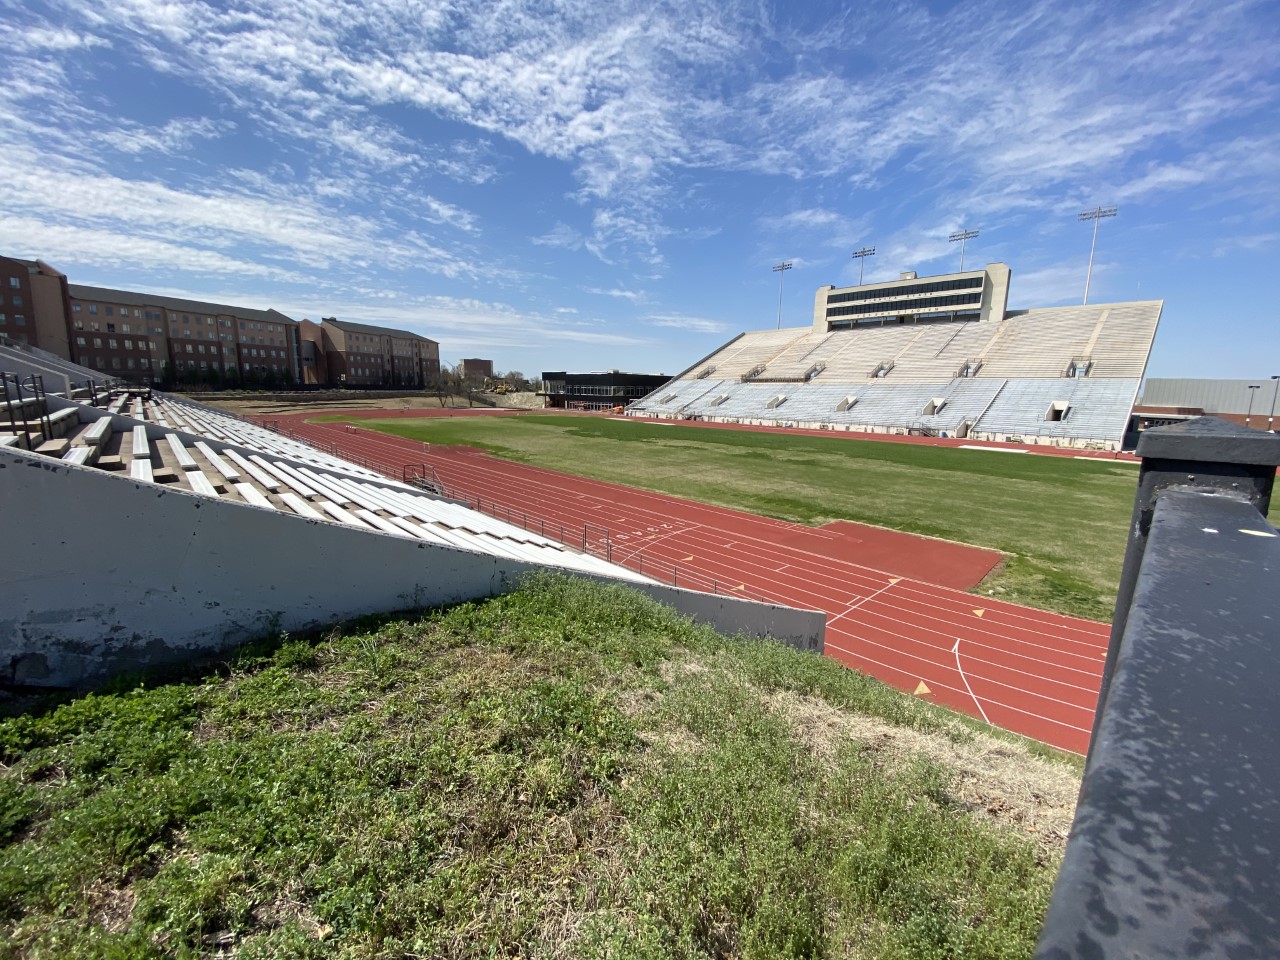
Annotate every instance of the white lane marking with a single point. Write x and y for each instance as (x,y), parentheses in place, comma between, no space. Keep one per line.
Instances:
(854,606)
(956,650)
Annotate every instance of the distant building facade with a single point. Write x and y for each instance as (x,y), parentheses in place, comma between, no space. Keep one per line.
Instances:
(596,391)
(342,353)
(1251,403)
(134,335)
(973,295)
(34,305)
(473,368)
(152,338)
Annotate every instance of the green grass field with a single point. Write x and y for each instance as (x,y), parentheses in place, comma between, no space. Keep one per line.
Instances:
(570,770)
(1062,522)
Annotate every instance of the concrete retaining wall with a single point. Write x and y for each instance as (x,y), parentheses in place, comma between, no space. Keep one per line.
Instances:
(103,575)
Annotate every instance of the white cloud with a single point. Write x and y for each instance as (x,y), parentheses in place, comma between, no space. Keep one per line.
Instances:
(680,321)
(173,137)
(561,235)
(633,296)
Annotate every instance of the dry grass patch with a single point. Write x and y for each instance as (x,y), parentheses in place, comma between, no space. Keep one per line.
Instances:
(991,777)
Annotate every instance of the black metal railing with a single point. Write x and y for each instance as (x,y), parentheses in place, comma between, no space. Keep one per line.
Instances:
(17,391)
(1175,850)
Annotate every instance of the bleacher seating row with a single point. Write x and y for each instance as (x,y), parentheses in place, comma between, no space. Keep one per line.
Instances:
(1064,375)
(206,453)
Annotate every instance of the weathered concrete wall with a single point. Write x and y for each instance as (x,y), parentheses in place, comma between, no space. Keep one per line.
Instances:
(802,629)
(25,365)
(102,575)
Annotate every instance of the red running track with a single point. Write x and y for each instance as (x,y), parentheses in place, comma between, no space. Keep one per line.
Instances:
(1030,671)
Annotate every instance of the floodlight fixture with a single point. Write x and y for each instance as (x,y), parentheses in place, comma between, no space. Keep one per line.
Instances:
(861,257)
(962,235)
(1096,214)
(781,270)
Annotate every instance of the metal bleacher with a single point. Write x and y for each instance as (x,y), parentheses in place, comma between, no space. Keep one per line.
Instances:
(1060,375)
(184,446)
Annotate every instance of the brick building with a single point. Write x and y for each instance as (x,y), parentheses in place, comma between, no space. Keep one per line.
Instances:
(342,353)
(134,335)
(34,304)
(476,369)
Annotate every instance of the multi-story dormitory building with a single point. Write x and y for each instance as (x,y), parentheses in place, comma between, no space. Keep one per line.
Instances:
(133,335)
(34,305)
(338,352)
(149,337)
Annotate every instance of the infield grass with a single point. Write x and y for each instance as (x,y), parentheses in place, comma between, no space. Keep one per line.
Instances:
(1061,522)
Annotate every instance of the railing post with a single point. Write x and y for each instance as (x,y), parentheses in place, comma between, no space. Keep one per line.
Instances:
(1208,455)
(1173,848)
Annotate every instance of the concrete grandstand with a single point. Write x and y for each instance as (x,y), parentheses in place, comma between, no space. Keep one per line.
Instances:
(146,530)
(908,364)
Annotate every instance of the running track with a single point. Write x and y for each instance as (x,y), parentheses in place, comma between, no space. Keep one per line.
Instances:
(1029,671)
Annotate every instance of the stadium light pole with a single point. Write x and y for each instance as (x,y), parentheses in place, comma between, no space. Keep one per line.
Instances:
(1096,214)
(1253,392)
(861,257)
(962,236)
(781,270)
(1271,420)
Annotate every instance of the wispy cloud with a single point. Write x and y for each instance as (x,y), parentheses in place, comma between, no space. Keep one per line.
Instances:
(173,137)
(633,296)
(679,321)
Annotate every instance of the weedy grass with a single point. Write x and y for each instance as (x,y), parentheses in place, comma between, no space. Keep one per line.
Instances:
(569,770)
(1061,521)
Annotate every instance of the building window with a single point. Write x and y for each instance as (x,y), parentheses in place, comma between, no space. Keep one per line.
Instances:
(19,319)
(146,364)
(15,282)
(115,363)
(97,343)
(113,343)
(93,308)
(80,342)
(111,311)
(111,327)
(189,348)
(129,363)
(126,328)
(128,344)
(75,308)
(17,301)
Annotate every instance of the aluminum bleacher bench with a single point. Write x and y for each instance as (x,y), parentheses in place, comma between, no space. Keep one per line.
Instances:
(141,448)
(200,483)
(64,416)
(141,470)
(80,455)
(180,453)
(253,495)
(229,473)
(97,433)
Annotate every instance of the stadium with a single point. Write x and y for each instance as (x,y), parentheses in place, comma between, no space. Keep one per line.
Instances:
(150,532)
(898,358)
(938,357)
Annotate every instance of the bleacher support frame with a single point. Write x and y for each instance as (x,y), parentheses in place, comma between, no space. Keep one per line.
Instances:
(1177,832)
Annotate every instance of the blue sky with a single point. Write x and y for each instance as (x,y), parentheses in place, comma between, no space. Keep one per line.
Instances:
(583,185)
